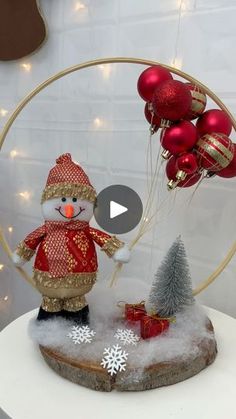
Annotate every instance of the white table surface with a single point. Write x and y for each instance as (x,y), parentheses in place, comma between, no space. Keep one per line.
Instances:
(29,389)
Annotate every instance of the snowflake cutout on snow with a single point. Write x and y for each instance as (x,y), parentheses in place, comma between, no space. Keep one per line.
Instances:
(127,336)
(114,359)
(80,334)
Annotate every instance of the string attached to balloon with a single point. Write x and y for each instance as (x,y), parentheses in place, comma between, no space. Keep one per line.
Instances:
(148,215)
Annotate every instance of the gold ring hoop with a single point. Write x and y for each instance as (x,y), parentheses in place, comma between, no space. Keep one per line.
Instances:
(116,60)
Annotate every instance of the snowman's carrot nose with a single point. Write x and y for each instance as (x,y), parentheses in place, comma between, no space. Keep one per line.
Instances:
(69,210)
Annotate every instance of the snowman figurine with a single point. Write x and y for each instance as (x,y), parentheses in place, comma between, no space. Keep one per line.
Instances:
(65,266)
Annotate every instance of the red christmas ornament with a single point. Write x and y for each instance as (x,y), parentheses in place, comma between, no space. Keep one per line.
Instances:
(214,120)
(171,100)
(199,101)
(153,119)
(179,138)
(151,78)
(215,151)
(171,172)
(230,170)
(187,163)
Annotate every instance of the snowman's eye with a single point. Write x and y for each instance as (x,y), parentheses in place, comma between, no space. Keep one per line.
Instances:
(63,199)
(74,199)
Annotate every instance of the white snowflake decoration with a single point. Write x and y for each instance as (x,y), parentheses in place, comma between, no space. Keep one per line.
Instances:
(127,336)
(114,359)
(80,334)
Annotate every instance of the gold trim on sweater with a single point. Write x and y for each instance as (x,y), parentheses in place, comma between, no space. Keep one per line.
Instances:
(71,280)
(112,245)
(24,251)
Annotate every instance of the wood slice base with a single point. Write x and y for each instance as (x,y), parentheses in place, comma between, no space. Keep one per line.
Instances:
(92,375)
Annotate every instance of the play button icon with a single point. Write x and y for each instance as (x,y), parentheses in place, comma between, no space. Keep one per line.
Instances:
(118,209)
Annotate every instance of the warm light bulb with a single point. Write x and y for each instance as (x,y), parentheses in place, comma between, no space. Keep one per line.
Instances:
(3,112)
(25,195)
(13,153)
(1,266)
(5,298)
(79,6)
(10,229)
(26,66)
(177,63)
(183,4)
(98,122)
(106,70)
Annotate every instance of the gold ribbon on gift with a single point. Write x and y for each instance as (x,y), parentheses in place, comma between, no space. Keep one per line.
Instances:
(171,319)
(122,304)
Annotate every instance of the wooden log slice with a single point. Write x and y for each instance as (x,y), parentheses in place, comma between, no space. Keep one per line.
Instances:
(92,375)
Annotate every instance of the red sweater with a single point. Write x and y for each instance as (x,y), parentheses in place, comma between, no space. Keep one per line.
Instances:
(66,247)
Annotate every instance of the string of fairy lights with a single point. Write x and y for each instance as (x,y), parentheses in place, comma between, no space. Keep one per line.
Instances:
(98,122)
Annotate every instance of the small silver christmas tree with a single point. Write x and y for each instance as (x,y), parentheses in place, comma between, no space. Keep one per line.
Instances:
(171,290)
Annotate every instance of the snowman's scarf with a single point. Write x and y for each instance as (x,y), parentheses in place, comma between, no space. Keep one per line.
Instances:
(56,245)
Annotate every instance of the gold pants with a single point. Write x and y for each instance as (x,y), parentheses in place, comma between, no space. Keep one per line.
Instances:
(64,293)
(69,299)
(69,304)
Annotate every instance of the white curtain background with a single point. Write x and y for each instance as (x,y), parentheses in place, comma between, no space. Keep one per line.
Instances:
(97,115)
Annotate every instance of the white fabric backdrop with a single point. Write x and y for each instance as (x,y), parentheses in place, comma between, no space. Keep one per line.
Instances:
(97,115)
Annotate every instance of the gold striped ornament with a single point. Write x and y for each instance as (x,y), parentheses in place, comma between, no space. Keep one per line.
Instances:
(215,151)
(199,101)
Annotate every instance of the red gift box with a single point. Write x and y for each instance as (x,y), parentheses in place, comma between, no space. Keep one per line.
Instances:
(152,326)
(135,312)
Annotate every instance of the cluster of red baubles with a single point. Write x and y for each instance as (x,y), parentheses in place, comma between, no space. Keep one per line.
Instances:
(191,149)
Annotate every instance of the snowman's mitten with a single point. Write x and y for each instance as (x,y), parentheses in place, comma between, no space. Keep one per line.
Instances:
(122,255)
(17,260)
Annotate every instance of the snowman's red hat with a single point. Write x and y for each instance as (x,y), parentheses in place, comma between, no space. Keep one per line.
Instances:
(68,179)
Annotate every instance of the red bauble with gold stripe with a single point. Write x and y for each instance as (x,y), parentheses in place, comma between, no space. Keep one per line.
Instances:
(215,151)
(199,101)
(230,170)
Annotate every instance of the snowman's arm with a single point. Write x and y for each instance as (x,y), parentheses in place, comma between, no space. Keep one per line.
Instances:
(109,244)
(27,247)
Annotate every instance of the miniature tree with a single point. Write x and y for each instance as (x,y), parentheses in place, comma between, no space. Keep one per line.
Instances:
(171,290)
